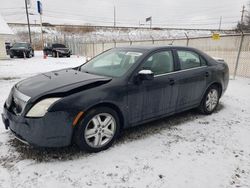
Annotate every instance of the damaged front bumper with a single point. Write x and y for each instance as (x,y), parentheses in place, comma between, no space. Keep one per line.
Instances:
(52,130)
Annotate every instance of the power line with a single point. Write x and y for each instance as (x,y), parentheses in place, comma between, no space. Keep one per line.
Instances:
(133,20)
(178,20)
(11,8)
(158,24)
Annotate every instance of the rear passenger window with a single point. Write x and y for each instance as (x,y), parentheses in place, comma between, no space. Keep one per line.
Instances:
(203,61)
(190,60)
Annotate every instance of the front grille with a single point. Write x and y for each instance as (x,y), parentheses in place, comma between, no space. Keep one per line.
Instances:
(63,50)
(16,101)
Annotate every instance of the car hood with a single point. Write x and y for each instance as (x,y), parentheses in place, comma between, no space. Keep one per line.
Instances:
(61,49)
(59,82)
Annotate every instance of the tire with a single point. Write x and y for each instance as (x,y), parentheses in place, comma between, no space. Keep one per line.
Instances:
(54,54)
(210,100)
(68,55)
(92,134)
(11,56)
(29,55)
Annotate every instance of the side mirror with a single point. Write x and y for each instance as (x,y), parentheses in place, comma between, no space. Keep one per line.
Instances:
(146,75)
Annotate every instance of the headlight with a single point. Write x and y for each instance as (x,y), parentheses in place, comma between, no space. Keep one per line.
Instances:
(40,108)
(9,99)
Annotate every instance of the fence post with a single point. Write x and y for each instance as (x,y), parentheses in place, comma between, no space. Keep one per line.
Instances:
(73,44)
(93,50)
(130,41)
(238,55)
(114,43)
(187,39)
(152,38)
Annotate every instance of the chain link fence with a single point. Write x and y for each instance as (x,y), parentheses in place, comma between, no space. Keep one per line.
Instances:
(234,49)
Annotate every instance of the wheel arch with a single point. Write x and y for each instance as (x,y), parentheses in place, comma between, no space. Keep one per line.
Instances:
(218,85)
(109,105)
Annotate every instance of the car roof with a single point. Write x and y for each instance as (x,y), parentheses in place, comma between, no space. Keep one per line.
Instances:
(154,47)
(22,43)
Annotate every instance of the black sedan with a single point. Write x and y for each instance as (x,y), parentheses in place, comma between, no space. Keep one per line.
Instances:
(21,49)
(57,50)
(122,87)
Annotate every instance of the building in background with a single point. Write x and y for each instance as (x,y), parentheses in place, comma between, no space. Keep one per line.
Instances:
(5,35)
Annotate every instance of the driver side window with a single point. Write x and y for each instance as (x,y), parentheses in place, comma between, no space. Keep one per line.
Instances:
(160,63)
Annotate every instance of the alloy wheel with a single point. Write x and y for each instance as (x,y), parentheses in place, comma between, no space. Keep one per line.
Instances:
(100,130)
(212,99)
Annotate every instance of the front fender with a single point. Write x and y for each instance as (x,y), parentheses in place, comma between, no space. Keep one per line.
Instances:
(87,99)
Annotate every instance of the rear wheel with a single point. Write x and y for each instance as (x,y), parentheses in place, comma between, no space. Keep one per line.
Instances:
(210,100)
(98,130)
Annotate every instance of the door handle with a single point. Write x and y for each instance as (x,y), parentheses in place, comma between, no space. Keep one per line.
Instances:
(171,82)
(207,74)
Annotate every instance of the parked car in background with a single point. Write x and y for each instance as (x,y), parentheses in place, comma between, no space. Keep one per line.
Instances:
(21,49)
(7,47)
(120,88)
(57,50)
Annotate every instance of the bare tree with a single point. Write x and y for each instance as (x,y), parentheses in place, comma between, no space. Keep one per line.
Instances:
(244,23)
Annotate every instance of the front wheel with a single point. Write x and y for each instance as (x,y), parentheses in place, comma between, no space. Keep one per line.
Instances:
(98,129)
(54,54)
(29,55)
(210,100)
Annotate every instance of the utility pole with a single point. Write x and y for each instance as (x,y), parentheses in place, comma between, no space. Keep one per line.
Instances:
(114,16)
(41,25)
(220,23)
(28,20)
(40,11)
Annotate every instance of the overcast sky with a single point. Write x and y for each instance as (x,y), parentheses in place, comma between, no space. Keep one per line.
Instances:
(167,13)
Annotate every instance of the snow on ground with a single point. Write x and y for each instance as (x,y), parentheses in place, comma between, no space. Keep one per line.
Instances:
(185,150)
(107,34)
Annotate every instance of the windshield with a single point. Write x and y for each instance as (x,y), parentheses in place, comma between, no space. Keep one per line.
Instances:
(18,45)
(58,46)
(114,63)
